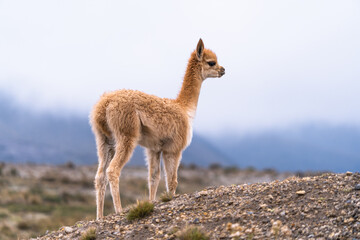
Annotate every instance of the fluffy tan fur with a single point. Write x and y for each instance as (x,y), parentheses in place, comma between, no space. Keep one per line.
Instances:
(124,118)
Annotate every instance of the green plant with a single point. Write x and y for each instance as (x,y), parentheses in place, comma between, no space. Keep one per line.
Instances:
(141,210)
(250,236)
(3,215)
(231,169)
(250,169)
(166,197)
(90,234)
(192,233)
(23,225)
(173,230)
(70,165)
(215,166)
(14,172)
(6,231)
(27,225)
(2,165)
(52,198)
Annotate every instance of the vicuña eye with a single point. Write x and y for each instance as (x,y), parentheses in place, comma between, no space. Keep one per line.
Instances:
(212,63)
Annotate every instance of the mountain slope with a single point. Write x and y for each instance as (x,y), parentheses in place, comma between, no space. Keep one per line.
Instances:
(306,148)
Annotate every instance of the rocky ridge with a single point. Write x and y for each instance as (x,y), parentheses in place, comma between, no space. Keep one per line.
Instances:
(320,207)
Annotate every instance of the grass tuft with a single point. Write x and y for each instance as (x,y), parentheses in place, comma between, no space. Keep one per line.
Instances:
(166,197)
(141,210)
(90,234)
(192,233)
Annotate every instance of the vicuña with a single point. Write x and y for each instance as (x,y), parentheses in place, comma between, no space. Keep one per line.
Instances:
(122,119)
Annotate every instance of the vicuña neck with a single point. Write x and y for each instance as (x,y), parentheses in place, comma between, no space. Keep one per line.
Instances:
(189,94)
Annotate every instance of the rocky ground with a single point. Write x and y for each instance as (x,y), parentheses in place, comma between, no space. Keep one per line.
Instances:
(35,199)
(320,207)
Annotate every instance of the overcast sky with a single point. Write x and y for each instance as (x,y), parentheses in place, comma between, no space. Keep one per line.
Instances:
(287,62)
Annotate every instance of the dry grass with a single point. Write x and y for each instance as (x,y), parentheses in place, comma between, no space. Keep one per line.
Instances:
(192,233)
(90,234)
(141,210)
(166,197)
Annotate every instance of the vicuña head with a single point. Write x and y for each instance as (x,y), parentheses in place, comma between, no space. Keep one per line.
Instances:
(125,118)
(208,61)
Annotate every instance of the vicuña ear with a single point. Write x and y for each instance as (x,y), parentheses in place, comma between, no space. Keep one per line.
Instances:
(200,49)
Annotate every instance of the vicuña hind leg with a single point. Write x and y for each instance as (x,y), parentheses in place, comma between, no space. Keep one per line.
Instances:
(153,159)
(105,154)
(123,151)
(171,162)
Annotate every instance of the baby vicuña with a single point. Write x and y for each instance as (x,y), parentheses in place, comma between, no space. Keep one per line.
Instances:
(125,118)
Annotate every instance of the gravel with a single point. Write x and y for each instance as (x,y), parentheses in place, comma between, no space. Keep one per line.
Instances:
(322,207)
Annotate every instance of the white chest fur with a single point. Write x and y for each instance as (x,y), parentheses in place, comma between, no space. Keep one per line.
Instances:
(191,116)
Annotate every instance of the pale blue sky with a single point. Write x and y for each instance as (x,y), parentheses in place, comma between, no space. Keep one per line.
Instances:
(287,62)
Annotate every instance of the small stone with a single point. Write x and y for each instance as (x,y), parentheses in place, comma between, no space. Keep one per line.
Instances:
(285,230)
(157,220)
(300,192)
(263,205)
(349,220)
(234,235)
(196,221)
(248,231)
(68,229)
(357,187)
(228,226)
(236,227)
(348,173)
(203,193)
(223,235)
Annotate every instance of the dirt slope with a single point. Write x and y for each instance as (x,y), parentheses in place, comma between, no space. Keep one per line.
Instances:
(322,207)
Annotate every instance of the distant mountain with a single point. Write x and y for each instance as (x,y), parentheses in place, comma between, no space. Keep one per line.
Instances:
(53,139)
(47,138)
(312,147)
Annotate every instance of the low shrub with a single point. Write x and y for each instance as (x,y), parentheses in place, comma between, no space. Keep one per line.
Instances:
(90,234)
(192,233)
(141,210)
(14,172)
(166,197)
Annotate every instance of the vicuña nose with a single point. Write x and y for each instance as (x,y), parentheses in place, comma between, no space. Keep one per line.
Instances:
(222,69)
